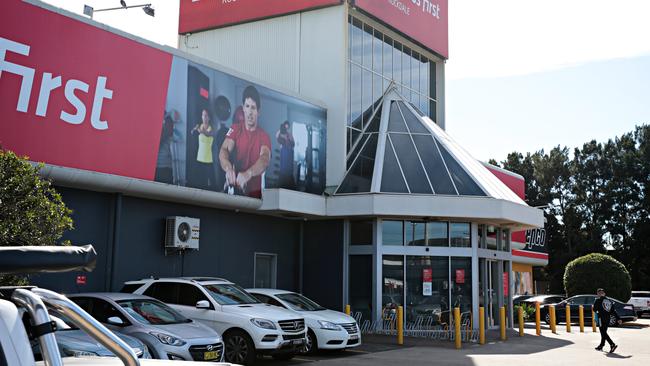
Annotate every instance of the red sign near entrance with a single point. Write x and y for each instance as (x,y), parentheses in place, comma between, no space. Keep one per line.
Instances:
(81,280)
(460,276)
(196,15)
(425,21)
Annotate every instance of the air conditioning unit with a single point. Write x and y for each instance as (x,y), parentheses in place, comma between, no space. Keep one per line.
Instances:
(182,233)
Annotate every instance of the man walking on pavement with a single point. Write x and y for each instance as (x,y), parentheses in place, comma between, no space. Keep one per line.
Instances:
(603,306)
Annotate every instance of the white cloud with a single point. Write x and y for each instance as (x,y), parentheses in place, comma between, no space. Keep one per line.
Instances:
(514,37)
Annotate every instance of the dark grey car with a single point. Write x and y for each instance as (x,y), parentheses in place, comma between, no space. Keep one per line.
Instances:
(167,333)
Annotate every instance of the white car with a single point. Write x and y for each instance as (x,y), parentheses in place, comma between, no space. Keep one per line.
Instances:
(641,302)
(248,326)
(327,329)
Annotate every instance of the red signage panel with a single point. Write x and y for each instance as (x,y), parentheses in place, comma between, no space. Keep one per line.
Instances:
(460,276)
(425,21)
(78,96)
(198,15)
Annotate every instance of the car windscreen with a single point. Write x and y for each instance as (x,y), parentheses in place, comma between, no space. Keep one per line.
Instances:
(152,312)
(230,294)
(640,294)
(299,303)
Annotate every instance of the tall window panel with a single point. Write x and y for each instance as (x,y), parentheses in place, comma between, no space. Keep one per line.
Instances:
(375,60)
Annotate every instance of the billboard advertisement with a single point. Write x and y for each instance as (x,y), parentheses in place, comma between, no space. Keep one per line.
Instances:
(196,15)
(425,21)
(78,96)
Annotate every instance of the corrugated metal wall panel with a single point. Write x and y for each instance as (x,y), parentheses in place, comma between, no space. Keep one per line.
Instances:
(268,50)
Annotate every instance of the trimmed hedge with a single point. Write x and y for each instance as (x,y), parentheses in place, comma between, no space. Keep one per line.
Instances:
(586,274)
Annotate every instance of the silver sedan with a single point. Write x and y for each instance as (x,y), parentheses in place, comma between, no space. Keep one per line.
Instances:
(167,334)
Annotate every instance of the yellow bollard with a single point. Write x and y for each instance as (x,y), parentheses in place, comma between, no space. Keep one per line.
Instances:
(568,318)
(481,325)
(400,325)
(593,319)
(521,321)
(551,310)
(538,325)
(347,309)
(457,327)
(581,319)
(502,317)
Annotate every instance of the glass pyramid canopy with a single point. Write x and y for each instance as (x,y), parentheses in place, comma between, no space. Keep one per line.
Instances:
(401,151)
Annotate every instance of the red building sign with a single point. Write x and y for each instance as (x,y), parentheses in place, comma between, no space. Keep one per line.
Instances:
(425,21)
(196,15)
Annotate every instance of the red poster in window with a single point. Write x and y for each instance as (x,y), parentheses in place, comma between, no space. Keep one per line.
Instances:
(460,276)
(81,280)
(505,284)
(427,275)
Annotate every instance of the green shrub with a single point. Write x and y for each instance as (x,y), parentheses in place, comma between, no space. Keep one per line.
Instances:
(586,274)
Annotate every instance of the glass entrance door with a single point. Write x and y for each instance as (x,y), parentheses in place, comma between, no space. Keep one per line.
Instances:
(490,291)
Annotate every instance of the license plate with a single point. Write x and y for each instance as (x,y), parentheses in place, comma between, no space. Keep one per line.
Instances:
(297,341)
(211,355)
(354,336)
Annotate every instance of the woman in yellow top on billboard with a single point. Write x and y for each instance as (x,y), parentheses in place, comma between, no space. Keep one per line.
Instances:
(204,154)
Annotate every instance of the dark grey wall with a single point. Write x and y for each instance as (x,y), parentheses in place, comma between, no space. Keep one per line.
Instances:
(227,245)
(323,262)
(92,214)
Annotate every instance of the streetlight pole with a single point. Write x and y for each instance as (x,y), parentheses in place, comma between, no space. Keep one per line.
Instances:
(89,11)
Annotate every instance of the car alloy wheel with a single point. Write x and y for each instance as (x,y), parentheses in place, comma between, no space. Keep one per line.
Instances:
(311,344)
(547,318)
(239,349)
(613,321)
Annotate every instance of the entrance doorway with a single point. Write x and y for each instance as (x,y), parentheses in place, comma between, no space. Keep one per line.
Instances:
(490,271)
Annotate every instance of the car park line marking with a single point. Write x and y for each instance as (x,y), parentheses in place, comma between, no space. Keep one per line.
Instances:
(304,359)
(357,351)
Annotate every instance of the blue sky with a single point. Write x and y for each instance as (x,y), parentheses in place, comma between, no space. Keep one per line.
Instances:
(491,117)
(522,75)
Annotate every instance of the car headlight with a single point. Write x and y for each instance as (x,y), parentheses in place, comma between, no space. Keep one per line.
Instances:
(167,339)
(328,325)
(77,353)
(263,323)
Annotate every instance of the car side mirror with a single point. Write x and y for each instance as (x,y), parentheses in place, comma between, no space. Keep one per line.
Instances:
(203,304)
(115,320)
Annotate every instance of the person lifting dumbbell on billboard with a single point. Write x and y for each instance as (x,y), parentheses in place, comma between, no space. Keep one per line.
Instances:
(250,148)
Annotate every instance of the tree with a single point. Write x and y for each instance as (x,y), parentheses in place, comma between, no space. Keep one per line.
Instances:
(31,210)
(585,274)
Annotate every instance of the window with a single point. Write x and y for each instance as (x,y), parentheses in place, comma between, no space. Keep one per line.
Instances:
(268,300)
(392,233)
(361,232)
(166,292)
(437,235)
(393,283)
(415,233)
(427,290)
(102,310)
(374,61)
(189,295)
(460,234)
(265,270)
(130,288)
(461,279)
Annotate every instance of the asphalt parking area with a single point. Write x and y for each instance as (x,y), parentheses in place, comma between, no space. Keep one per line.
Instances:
(330,355)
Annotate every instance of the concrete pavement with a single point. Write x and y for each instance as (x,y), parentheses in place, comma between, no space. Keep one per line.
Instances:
(549,349)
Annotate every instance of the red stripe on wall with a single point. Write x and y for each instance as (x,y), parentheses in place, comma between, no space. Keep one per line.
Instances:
(523,253)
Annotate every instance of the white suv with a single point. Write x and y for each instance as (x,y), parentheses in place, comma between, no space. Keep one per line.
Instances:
(248,327)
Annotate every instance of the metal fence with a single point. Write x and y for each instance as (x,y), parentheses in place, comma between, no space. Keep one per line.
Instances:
(424,326)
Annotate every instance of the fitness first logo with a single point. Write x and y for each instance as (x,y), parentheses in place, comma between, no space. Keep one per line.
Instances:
(50,84)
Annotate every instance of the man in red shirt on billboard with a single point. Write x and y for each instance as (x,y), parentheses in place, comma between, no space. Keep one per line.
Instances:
(251,146)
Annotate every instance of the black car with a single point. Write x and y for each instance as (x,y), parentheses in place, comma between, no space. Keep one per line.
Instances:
(623,312)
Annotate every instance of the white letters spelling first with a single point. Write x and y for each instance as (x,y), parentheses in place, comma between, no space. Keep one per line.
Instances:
(48,84)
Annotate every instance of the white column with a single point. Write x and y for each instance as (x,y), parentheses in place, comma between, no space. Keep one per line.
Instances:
(377,271)
(475,274)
